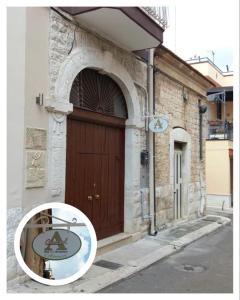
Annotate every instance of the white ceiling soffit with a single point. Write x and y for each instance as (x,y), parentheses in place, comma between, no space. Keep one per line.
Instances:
(115,26)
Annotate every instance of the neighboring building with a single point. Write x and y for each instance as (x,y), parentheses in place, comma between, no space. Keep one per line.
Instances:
(219,146)
(78,111)
(206,67)
(180,91)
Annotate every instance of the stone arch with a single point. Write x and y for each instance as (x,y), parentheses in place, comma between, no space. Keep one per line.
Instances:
(179,134)
(59,107)
(100,60)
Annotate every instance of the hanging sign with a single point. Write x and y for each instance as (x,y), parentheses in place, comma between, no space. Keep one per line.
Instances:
(57,244)
(158,124)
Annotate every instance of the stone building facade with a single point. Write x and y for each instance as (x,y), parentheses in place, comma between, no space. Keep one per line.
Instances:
(91,51)
(52,52)
(177,95)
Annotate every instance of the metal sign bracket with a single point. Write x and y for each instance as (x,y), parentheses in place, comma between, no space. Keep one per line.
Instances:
(45,219)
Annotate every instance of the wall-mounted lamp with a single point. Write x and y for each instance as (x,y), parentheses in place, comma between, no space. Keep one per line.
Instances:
(202,109)
(39,99)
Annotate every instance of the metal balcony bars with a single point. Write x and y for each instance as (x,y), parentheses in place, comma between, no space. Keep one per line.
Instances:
(219,130)
(158,14)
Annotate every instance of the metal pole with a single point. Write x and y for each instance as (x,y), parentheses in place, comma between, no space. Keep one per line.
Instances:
(224,99)
(200,134)
(150,137)
(54,225)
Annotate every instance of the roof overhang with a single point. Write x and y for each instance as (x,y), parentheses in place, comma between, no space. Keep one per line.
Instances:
(128,27)
(168,63)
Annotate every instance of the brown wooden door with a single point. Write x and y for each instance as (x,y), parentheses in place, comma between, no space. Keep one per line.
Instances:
(95,169)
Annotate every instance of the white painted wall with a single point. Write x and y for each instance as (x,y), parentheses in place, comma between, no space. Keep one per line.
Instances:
(37,81)
(16,47)
(27,76)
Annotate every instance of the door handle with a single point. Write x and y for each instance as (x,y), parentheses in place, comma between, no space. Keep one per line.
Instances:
(90,198)
(97,196)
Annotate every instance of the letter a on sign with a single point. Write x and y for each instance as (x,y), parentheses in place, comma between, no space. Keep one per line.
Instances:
(56,240)
(158,124)
(57,244)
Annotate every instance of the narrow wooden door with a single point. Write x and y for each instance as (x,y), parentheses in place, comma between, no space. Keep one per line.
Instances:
(95,172)
(178,184)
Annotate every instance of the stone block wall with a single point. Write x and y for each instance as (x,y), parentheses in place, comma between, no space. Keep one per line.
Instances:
(184,114)
(65,37)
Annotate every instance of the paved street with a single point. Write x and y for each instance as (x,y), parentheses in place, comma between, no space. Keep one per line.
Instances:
(202,267)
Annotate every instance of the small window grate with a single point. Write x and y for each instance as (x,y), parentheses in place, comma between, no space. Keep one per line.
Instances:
(98,93)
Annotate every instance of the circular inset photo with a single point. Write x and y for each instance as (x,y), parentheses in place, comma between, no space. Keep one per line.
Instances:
(55,244)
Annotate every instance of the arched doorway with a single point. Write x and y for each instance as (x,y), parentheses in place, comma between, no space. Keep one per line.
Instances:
(95,151)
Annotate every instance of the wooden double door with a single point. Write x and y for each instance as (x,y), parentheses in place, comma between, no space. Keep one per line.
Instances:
(95,169)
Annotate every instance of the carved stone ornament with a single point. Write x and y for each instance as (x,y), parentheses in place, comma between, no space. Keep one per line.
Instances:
(36,138)
(58,123)
(35,163)
(58,106)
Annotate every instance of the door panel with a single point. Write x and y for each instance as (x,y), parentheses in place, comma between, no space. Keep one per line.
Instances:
(95,168)
(99,191)
(178,184)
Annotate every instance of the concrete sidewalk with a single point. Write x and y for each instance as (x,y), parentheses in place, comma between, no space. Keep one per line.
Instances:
(226,212)
(129,259)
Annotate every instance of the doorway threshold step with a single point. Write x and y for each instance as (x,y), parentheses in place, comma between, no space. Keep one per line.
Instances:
(113,242)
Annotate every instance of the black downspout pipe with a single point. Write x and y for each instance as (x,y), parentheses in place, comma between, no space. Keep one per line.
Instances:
(151,146)
(154,142)
(202,109)
(200,130)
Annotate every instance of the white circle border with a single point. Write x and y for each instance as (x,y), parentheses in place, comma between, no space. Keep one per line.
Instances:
(69,279)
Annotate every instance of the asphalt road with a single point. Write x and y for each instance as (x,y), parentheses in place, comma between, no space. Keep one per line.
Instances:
(205,266)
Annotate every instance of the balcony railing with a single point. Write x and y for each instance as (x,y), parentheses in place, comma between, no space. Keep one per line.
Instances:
(158,14)
(220,130)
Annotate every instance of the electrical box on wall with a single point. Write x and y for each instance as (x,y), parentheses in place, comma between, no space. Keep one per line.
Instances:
(144,157)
